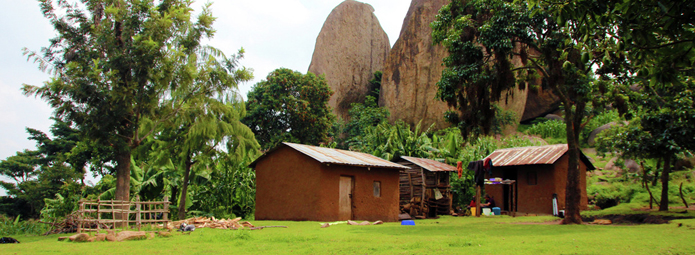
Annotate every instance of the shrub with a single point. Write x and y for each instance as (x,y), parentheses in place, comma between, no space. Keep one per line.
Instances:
(13,226)
(548,129)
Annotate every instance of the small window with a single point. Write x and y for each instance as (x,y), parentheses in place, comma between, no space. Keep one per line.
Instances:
(377,189)
(532,178)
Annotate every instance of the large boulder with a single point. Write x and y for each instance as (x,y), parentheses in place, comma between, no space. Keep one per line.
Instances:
(591,140)
(414,66)
(554,117)
(629,165)
(130,235)
(81,237)
(540,101)
(685,163)
(514,99)
(349,49)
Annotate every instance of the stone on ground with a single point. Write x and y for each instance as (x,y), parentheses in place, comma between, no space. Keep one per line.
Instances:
(81,237)
(130,235)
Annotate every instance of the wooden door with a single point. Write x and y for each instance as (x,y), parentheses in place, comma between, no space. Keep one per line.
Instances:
(345,198)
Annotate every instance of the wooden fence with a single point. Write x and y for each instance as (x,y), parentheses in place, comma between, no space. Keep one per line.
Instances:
(95,215)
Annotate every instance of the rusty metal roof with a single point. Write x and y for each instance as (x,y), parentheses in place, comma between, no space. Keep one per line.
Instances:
(336,156)
(430,165)
(534,155)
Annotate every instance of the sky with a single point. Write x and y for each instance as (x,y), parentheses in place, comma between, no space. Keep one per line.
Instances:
(273,33)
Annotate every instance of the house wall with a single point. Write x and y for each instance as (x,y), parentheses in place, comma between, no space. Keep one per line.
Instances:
(537,199)
(287,184)
(365,205)
(416,177)
(529,198)
(561,177)
(293,186)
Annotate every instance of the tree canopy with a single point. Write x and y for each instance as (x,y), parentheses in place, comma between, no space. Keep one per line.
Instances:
(484,36)
(122,69)
(650,47)
(290,107)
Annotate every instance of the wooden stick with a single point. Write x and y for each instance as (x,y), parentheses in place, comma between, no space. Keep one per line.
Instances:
(682,197)
(651,198)
(477,201)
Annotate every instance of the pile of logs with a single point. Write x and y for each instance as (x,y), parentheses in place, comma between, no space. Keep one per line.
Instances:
(69,225)
(440,205)
(207,222)
(415,208)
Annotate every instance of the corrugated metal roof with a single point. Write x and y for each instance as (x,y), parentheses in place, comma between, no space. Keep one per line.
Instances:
(430,165)
(336,156)
(534,155)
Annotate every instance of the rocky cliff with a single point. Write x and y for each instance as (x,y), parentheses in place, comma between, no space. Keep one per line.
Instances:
(349,49)
(413,68)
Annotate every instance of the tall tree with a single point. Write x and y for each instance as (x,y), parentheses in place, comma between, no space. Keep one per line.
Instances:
(39,174)
(651,43)
(290,107)
(482,37)
(114,63)
(209,125)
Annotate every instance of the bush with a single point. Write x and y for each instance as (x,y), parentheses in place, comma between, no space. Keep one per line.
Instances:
(614,193)
(548,129)
(555,130)
(13,226)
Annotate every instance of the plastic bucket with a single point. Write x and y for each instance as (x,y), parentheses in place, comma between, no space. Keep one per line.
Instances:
(408,223)
(473,211)
(487,211)
(496,210)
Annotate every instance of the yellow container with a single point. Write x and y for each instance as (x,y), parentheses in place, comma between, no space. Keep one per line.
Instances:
(472,211)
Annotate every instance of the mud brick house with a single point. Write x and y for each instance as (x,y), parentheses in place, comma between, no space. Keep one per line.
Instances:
(424,188)
(302,182)
(540,172)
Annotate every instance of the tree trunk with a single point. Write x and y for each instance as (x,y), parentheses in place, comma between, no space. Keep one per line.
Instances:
(122,182)
(573,193)
(184,189)
(664,184)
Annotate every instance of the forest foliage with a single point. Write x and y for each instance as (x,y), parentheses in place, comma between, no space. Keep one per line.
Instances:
(141,103)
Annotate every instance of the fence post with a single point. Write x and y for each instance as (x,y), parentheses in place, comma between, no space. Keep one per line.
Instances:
(137,209)
(80,216)
(165,215)
(113,215)
(98,214)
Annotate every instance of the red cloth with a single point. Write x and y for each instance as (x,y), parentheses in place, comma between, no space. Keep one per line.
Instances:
(472,204)
(459,168)
(487,164)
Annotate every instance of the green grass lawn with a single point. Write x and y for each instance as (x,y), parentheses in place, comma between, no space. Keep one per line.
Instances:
(447,235)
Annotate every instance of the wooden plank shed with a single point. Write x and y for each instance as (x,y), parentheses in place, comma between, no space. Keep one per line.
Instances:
(540,172)
(302,182)
(420,184)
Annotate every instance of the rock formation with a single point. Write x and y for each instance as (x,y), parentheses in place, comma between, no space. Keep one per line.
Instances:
(413,68)
(349,49)
(540,102)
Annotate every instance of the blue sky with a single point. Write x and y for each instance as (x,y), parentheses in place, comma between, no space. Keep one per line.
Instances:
(274,33)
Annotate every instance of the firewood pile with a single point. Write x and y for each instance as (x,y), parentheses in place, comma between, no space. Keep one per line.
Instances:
(415,208)
(440,205)
(69,225)
(211,222)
